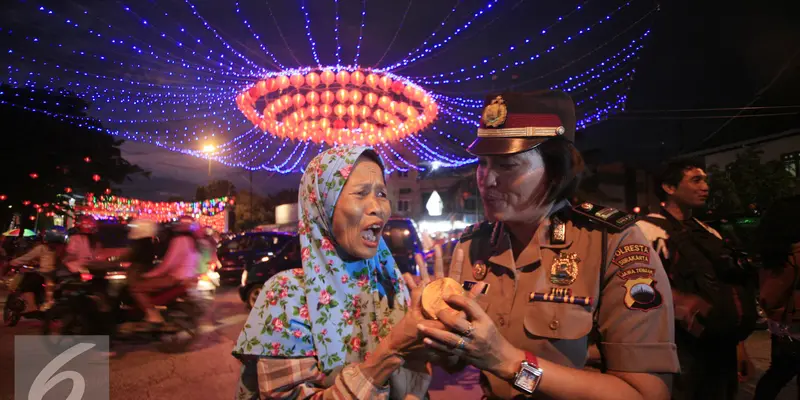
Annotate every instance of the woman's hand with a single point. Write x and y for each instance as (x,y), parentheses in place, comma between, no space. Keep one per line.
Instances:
(473,336)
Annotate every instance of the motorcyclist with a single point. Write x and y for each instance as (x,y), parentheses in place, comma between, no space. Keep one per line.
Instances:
(80,248)
(208,251)
(179,265)
(47,255)
(142,252)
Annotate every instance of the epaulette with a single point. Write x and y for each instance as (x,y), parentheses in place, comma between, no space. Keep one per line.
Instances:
(609,217)
(483,228)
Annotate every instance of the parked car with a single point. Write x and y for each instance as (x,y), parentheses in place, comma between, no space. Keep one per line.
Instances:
(258,272)
(248,249)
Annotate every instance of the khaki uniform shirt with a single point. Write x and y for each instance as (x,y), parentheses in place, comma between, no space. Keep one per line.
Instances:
(544,302)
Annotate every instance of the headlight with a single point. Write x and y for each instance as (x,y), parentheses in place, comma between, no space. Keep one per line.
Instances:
(244,277)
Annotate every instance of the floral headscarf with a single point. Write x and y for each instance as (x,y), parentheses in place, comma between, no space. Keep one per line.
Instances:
(335,310)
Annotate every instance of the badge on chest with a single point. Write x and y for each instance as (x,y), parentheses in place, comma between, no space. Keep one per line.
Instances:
(564,271)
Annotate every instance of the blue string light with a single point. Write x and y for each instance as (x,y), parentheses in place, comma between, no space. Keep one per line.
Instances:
(419,53)
(308,32)
(336,33)
(360,31)
(166,81)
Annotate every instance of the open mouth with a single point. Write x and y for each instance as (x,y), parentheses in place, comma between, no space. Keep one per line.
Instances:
(371,234)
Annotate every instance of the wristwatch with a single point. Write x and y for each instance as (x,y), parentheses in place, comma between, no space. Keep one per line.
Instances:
(529,374)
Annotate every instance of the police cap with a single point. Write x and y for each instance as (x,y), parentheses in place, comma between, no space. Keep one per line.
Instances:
(515,122)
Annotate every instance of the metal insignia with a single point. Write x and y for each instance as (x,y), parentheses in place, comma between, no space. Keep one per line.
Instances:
(560,130)
(559,231)
(564,271)
(495,113)
(587,206)
(479,271)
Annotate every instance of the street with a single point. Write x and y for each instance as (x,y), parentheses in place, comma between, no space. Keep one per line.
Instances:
(208,371)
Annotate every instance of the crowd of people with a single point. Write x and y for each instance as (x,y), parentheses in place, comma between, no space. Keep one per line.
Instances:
(187,252)
(562,299)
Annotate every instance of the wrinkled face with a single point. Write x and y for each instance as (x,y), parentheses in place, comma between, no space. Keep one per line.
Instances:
(512,187)
(362,210)
(692,190)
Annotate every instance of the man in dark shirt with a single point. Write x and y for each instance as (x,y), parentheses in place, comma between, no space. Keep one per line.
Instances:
(714,308)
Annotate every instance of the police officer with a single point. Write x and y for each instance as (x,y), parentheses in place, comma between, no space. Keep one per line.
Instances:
(554,273)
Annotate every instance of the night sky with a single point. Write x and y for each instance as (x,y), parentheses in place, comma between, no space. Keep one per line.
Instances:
(698,55)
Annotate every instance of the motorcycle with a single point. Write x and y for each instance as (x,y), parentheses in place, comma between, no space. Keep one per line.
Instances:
(101,304)
(23,281)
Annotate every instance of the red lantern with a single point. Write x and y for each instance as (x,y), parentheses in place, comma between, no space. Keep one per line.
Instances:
(253,92)
(46,205)
(327,77)
(341,95)
(272,85)
(312,97)
(352,111)
(338,124)
(108,191)
(372,80)
(352,124)
(313,111)
(96,178)
(87,159)
(327,97)
(324,123)
(26,203)
(297,80)
(312,79)
(371,99)
(67,189)
(386,83)
(355,96)
(283,82)
(398,87)
(262,87)
(384,102)
(343,77)
(34,175)
(3,197)
(299,100)
(340,110)
(357,78)
(32,218)
(326,110)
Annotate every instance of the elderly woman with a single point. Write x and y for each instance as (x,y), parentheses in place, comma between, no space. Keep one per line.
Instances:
(558,276)
(343,326)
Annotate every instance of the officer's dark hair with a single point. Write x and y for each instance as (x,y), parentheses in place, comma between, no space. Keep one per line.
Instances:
(563,168)
(778,230)
(672,174)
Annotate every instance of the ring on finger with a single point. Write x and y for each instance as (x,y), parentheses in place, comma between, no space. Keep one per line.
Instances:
(462,343)
(469,330)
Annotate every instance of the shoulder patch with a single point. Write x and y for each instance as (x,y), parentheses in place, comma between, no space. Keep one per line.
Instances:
(483,228)
(607,216)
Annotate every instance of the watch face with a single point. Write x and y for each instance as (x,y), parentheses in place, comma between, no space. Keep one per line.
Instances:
(528,378)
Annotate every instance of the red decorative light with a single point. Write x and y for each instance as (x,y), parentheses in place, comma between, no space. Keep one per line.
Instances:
(34,175)
(46,205)
(108,191)
(67,189)
(26,203)
(87,159)
(96,178)
(368,107)
(3,197)
(32,218)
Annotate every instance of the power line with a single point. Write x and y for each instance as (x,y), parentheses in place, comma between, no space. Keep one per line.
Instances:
(758,95)
(732,117)
(711,109)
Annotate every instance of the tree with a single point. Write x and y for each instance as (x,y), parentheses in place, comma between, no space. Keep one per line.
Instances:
(252,210)
(215,189)
(64,151)
(748,182)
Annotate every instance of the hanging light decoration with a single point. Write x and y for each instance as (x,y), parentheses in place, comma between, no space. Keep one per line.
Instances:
(344,106)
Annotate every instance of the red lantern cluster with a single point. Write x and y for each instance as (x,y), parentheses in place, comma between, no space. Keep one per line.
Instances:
(346,106)
(96,178)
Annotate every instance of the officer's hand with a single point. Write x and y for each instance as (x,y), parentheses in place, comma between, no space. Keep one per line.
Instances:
(472,335)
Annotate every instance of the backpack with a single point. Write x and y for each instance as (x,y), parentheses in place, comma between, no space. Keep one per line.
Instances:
(708,276)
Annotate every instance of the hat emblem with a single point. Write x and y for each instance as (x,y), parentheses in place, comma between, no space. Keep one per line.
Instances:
(495,113)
